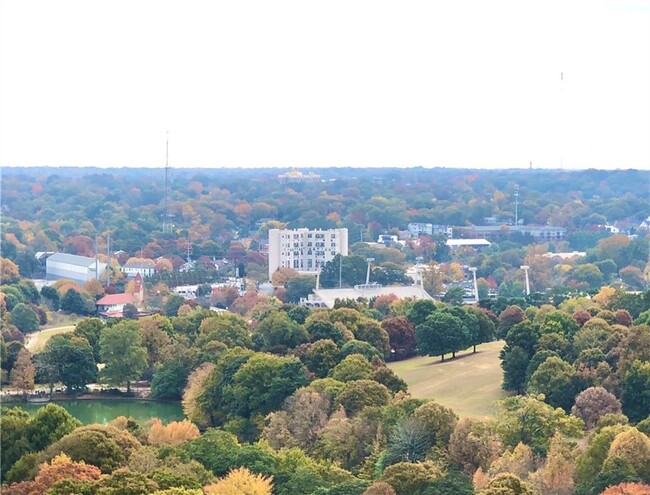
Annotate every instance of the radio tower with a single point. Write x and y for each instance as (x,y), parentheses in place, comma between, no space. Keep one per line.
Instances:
(167,224)
(516,205)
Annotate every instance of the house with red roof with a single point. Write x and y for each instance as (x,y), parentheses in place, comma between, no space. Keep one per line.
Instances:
(113,303)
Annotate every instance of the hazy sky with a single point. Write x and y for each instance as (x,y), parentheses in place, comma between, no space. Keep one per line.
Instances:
(333,83)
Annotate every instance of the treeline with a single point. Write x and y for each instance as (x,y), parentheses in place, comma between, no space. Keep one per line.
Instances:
(303,400)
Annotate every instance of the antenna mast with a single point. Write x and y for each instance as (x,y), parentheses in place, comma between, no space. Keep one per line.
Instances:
(516,205)
(166,225)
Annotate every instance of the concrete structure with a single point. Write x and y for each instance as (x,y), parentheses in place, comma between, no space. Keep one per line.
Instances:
(325,298)
(72,267)
(296,175)
(540,233)
(304,250)
(134,268)
(472,243)
(566,256)
(418,229)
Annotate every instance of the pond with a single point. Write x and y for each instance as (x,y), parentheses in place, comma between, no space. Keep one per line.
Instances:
(104,411)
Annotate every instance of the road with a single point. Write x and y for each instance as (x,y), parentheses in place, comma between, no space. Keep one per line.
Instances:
(35,341)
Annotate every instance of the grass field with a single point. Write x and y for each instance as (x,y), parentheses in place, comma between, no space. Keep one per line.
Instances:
(468,384)
(36,341)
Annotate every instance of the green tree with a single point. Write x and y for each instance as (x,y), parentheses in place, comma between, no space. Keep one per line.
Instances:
(24,318)
(323,329)
(507,484)
(48,424)
(263,382)
(52,297)
(130,312)
(353,367)
(299,287)
(514,362)
(227,328)
(454,295)
(120,350)
(70,361)
(358,394)
(420,310)
(531,421)
(636,391)
(73,302)
(321,357)
(441,333)
(280,332)
(169,381)
(91,329)
(172,304)
(556,379)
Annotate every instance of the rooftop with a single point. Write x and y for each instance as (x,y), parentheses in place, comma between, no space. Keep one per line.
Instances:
(112,299)
(73,259)
(328,296)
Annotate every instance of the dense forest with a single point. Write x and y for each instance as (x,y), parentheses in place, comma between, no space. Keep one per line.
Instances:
(284,399)
(300,401)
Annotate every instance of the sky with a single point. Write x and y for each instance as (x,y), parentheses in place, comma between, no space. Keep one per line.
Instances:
(477,84)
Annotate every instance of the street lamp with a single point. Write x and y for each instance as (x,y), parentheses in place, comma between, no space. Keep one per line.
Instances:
(525,269)
(473,270)
(369,260)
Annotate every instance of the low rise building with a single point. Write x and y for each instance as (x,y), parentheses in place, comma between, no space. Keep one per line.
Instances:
(72,267)
(133,268)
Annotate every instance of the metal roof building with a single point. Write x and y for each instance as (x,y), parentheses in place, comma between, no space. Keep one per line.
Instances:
(73,267)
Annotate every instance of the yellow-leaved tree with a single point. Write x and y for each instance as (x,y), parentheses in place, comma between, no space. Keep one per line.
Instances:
(175,433)
(241,481)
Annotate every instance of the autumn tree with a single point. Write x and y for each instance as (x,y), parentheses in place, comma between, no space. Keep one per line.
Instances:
(174,433)
(593,403)
(23,372)
(60,468)
(241,481)
(300,422)
(102,446)
(401,336)
(474,444)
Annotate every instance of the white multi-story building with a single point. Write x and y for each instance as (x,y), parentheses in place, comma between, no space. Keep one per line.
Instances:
(304,250)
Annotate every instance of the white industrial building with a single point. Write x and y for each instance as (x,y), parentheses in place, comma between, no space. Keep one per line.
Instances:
(73,267)
(326,298)
(304,250)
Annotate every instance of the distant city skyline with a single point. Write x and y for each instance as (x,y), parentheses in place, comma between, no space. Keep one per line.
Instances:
(468,84)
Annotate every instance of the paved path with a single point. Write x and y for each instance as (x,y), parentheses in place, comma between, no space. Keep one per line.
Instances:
(35,341)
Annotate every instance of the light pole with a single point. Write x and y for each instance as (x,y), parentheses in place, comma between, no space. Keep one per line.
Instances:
(525,269)
(369,260)
(473,270)
(418,262)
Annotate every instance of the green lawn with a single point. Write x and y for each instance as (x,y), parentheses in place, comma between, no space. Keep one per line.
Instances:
(36,341)
(468,384)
